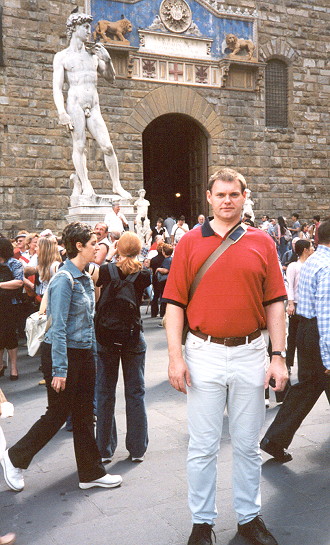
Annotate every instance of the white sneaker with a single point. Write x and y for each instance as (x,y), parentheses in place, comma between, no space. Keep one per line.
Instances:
(104,461)
(13,475)
(108,481)
(8,539)
(137,459)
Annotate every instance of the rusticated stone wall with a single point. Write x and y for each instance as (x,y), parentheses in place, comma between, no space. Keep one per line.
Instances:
(287,169)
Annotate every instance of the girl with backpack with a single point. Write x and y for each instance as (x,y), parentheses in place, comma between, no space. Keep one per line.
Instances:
(120,339)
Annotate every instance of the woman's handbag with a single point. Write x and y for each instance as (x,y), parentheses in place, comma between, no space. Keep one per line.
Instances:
(35,328)
(37,324)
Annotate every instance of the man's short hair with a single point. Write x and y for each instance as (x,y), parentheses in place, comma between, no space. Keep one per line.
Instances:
(317,217)
(300,246)
(295,215)
(104,225)
(324,231)
(227,175)
(182,218)
(115,234)
(168,250)
(74,20)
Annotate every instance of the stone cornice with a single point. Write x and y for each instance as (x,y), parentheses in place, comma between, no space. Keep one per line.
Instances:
(220,9)
(214,6)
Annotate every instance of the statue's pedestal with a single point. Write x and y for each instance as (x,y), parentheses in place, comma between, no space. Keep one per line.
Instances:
(93,209)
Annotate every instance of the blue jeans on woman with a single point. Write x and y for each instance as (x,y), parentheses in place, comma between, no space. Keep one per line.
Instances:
(133,362)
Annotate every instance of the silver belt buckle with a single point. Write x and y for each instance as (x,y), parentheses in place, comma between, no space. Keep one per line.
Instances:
(225,340)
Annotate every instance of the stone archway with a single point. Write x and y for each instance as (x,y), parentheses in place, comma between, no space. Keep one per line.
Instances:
(170,99)
(175,169)
(195,112)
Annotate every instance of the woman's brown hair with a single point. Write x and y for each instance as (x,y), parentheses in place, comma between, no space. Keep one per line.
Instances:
(129,247)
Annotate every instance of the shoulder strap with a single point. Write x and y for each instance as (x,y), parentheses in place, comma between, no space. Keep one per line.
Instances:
(113,271)
(44,300)
(232,238)
(114,274)
(61,271)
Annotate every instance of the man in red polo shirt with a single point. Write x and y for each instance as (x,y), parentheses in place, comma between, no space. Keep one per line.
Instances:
(241,294)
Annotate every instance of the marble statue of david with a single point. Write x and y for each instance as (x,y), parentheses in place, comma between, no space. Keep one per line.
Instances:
(78,65)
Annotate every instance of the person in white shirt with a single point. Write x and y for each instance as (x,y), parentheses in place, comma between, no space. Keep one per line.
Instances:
(201,220)
(303,249)
(178,230)
(115,219)
(265,223)
(101,231)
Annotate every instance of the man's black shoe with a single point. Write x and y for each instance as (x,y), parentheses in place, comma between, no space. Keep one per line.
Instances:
(201,535)
(279,454)
(256,532)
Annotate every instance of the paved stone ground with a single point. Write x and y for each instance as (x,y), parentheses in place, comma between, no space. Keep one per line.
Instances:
(150,508)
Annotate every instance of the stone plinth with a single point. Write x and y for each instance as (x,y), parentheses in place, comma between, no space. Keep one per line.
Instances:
(93,209)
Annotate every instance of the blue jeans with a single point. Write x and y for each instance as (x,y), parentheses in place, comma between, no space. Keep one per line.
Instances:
(133,362)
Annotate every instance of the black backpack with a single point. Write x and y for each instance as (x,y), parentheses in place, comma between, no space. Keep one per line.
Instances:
(5,276)
(117,319)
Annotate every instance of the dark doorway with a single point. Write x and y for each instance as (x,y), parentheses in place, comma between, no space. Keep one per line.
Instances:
(175,167)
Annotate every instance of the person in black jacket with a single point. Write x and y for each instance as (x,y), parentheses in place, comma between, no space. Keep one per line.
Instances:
(132,357)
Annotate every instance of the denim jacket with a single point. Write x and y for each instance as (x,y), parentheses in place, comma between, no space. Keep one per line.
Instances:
(72,312)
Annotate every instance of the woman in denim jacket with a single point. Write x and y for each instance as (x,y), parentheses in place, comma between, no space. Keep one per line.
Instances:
(68,366)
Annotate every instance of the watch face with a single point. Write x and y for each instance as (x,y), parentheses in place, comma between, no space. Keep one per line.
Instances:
(283,354)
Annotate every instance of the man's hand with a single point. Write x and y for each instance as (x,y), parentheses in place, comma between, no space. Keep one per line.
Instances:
(290,309)
(279,372)
(58,384)
(101,52)
(178,374)
(65,119)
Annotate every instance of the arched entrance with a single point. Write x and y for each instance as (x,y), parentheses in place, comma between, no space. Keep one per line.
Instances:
(175,167)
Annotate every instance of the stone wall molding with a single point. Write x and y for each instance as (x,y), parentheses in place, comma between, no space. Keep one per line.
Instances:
(169,99)
(278,48)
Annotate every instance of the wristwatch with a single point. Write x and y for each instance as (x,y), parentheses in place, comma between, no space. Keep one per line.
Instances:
(281,353)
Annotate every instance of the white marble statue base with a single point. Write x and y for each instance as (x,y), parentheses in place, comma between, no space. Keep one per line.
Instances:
(93,209)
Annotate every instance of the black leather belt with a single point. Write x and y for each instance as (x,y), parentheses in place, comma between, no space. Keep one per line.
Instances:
(228,341)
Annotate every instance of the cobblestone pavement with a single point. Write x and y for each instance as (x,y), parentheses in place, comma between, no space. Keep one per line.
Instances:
(150,508)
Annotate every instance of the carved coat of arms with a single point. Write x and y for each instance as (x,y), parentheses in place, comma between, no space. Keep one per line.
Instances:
(175,15)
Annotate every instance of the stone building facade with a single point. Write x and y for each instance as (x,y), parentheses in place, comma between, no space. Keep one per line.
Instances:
(173,116)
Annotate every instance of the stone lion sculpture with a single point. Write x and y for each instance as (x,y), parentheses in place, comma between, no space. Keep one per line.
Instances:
(239,44)
(117,30)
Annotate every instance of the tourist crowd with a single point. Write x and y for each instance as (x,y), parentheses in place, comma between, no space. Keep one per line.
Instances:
(86,268)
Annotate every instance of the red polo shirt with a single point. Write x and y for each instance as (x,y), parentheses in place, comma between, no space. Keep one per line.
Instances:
(230,299)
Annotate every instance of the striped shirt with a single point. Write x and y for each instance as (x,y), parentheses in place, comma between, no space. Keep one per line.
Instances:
(314,296)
